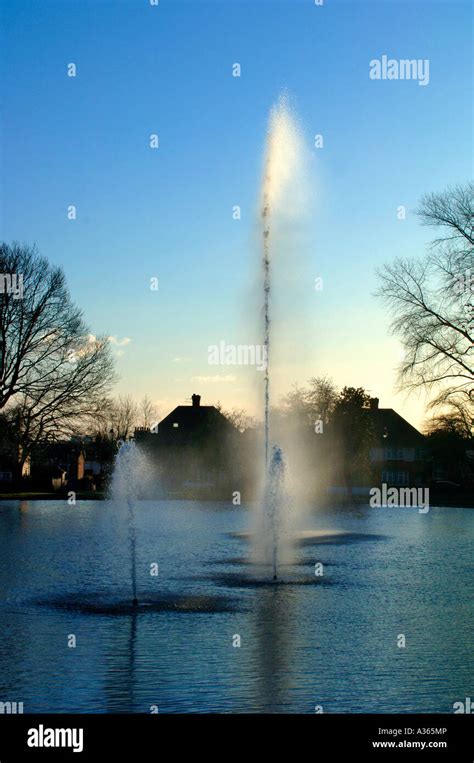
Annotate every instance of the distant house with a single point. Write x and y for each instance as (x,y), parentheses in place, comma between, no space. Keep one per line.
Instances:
(196,450)
(398,457)
(99,454)
(196,423)
(199,453)
(58,477)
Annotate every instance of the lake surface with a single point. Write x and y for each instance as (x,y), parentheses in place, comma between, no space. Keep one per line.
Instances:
(327,641)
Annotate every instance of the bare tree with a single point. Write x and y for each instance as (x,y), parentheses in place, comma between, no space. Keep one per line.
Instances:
(118,418)
(294,404)
(456,420)
(147,413)
(312,402)
(123,417)
(430,301)
(53,372)
(238,417)
(62,411)
(321,396)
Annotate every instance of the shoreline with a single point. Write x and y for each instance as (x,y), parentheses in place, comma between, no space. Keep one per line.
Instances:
(461,502)
(33,495)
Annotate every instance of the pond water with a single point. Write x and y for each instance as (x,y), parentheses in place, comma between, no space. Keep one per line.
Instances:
(327,640)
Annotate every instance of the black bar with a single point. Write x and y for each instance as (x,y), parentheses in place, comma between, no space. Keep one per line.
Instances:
(165,737)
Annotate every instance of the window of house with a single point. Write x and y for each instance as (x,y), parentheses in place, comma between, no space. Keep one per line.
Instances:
(392,477)
(393,454)
(402,478)
(175,424)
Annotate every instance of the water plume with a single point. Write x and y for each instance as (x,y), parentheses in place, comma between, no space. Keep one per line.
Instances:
(283,163)
(130,475)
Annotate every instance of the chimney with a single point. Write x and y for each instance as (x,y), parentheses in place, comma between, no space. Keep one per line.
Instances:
(374,403)
(196,401)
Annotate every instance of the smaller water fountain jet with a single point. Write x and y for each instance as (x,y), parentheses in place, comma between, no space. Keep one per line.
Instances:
(126,483)
(133,479)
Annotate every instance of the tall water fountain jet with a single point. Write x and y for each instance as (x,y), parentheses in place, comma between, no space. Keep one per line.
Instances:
(127,482)
(282,164)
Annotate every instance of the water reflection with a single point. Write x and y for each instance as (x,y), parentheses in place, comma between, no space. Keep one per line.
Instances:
(334,643)
(274,646)
(121,666)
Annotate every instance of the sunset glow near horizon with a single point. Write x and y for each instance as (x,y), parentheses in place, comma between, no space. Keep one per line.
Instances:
(168,212)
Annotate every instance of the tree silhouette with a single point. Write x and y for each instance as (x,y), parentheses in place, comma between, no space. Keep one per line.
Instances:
(430,302)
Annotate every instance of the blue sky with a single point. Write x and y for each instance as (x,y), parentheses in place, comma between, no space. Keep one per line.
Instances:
(167,69)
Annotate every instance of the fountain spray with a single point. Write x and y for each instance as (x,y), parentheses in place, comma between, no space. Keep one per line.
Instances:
(127,482)
(282,159)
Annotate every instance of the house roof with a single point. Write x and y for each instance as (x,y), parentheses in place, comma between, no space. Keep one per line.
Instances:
(190,417)
(196,425)
(393,429)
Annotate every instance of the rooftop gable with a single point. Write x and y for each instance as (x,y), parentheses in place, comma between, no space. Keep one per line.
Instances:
(196,417)
(394,429)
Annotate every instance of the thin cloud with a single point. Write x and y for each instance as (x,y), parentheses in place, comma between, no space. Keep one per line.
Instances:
(217,379)
(119,342)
